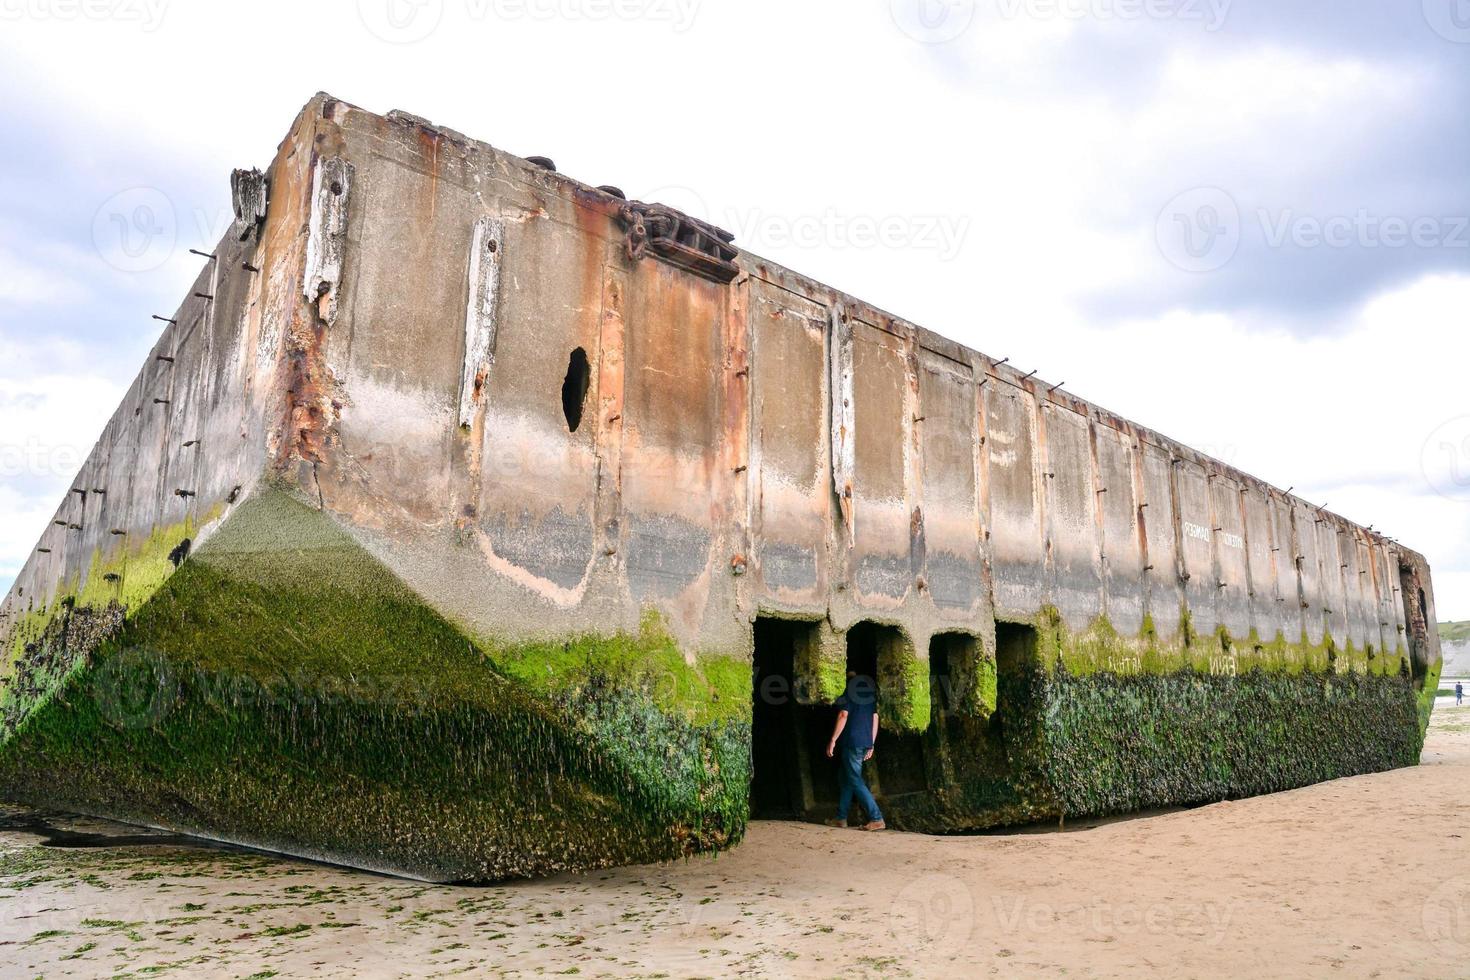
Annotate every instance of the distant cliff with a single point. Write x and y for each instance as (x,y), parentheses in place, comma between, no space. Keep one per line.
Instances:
(1454,638)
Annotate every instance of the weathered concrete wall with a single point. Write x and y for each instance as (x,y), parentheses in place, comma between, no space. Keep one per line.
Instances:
(704,449)
(454,356)
(647,503)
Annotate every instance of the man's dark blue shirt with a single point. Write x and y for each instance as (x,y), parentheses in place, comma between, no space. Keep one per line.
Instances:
(860,701)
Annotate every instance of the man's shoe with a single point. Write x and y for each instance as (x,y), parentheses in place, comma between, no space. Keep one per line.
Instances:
(875,825)
(836,822)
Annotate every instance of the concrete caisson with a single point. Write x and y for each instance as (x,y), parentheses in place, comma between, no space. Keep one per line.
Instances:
(469,522)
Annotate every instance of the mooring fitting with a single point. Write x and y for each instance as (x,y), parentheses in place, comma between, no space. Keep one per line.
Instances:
(166,319)
(205,255)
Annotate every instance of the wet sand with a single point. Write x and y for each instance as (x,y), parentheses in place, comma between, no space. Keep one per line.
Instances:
(1367,876)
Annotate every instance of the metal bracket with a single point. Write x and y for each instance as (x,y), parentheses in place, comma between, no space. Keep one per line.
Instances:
(676,238)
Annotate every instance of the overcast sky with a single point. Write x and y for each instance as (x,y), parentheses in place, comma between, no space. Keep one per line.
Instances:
(1241,222)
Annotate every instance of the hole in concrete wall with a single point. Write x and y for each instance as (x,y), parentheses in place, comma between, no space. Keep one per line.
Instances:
(1016,652)
(952,659)
(574,388)
(878,651)
(786,738)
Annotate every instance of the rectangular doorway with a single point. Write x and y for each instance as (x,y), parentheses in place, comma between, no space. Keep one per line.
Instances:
(780,787)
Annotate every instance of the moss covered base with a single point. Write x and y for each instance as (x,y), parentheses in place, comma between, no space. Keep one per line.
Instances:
(298,698)
(1114,744)
(281,688)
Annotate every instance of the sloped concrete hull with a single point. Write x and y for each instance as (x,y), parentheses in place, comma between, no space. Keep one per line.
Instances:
(282,690)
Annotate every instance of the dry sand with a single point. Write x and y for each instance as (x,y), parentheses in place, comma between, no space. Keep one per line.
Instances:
(1361,877)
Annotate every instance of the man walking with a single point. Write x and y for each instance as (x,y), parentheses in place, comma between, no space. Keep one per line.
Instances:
(853,739)
(1459,693)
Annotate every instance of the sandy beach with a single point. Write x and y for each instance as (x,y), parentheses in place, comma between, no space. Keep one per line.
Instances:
(1367,876)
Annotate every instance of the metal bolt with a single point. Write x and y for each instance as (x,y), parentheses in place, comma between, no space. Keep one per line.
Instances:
(205,255)
(165,319)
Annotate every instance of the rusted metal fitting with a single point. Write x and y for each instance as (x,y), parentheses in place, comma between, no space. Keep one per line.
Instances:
(678,239)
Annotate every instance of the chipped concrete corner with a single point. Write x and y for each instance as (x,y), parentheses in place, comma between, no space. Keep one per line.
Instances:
(457,483)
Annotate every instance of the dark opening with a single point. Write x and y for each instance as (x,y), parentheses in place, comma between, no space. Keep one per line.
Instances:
(946,652)
(898,760)
(780,723)
(574,388)
(1015,658)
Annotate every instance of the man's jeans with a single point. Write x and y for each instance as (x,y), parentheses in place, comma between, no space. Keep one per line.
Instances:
(850,775)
